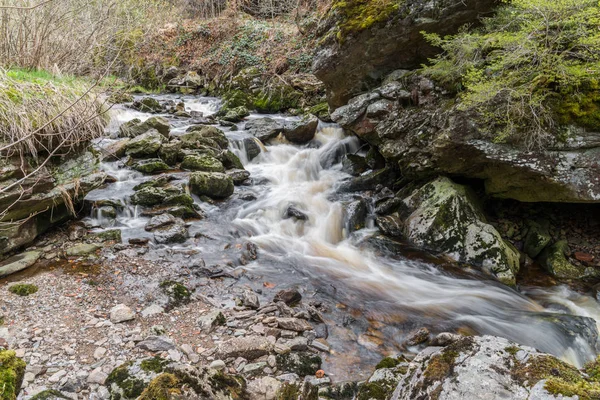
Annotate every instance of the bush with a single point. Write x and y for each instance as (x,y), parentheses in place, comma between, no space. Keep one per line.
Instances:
(529,69)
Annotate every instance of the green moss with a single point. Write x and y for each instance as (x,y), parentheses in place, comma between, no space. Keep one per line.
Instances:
(387,362)
(320,110)
(234,386)
(358,15)
(12,370)
(113,235)
(372,390)
(154,364)
(585,390)
(302,364)
(161,388)
(48,394)
(511,350)
(177,292)
(23,289)
(131,386)
(288,391)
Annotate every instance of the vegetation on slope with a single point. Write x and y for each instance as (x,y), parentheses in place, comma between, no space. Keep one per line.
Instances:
(530,69)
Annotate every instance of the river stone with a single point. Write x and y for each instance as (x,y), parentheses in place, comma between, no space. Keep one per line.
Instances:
(294,324)
(82,249)
(19,262)
(150,166)
(390,225)
(483,367)
(265,388)
(236,114)
(554,260)
(295,213)
(202,162)
(249,347)
(239,176)
(115,150)
(445,216)
(288,296)
(168,229)
(231,161)
(145,145)
(354,164)
(355,215)
(164,196)
(147,104)
(136,127)
(538,237)
(121,313)
(199,135)
(160,221)
(213,184)
(171,152)
(250,300)
(264,129)
(302,131)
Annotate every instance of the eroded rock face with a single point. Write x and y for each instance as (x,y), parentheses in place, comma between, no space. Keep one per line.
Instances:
(489,367)
(356,61)
(444,216)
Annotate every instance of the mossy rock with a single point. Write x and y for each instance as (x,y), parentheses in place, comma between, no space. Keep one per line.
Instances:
(178,293)
(301,363)
(231,161)
(321,111)
(171,152)
(12,371)
(202,162)
(197,136)
(23,289)
(112,235)
(120,97)
(136,127)
(212,184)
(163,387)
(236,114)
(538,237)
(49,395)
(147,104)
(122,385)
(554,260)
(150,166)
(147,144)
(150,196)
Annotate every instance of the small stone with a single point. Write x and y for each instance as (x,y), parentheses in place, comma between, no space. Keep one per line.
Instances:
(57,376)
(320,374)
(99,353)
(156,343)
(121,313)
(151,310)
(294,324)
(417,337)
(250,300)
(97,376)
(219,365)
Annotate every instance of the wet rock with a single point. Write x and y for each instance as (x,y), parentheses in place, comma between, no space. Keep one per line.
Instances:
(150,166)
(181,211)
(417,337)
(236,114)
(264,129)
(486,366)
(294,324)
(115,150)
(212,184)
(367,181)
(164,196)
(354,164)
(203,162)
(121,313)
(239,176)
(390,225)
(82,249)
(231,161)
(156,344)
(290,297)
(293,212)
(302,131)
(203,135)
(147,104)
(355,215)
(145,145)
(19,262)
(554,260)
(167,229)
(139,241)
(445,217)
(250,300)
(171,152)
(538,237)
(136,127)
(250,347)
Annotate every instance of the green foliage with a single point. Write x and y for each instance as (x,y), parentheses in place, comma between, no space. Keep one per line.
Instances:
(528,69)
(23,289)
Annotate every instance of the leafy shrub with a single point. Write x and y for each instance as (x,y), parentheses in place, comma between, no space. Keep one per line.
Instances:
(528,70)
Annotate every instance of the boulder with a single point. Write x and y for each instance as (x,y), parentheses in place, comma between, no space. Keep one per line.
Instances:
(302,131)
(202,162)
(355,215)
(150,196)
(264,129)
(171,152)
(231,161)
(136,127)
(145,145)
(203,135)
(537,238)
(444,216)
(487,367)
(167,229)
(239,176)
(19,262)
(150,165)
(554,259)
(212,184)
(236,114)
(147,104)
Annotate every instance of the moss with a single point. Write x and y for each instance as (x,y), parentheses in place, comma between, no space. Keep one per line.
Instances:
(130,386)
(177,292)
(511,350)
(372,390)
(161,388)
(233,385)
(113,235)
(585,390)
(154,364)
(288,391)
(387,362)
(302,364)
(23,289)
(320,110)
(440,366)
(358,15)
(12,370)
(202,162)
(48,394)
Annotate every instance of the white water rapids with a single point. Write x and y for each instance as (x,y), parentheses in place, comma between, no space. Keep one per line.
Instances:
(320,249)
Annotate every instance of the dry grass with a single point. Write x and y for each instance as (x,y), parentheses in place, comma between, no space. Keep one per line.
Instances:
(41,114)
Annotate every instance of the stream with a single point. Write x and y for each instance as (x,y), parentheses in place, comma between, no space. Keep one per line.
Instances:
(376,290)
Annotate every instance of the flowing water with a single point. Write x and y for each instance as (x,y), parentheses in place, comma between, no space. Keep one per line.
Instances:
(377,290)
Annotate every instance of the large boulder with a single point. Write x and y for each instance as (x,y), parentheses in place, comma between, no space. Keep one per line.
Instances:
(489,367)
(198,136)
(145,145)
(202,162)
(264,129)
(444,216)
(361,42)
(212,184)
(302,131)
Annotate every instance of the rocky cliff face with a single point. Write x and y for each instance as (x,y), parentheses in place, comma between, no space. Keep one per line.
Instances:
(361,43)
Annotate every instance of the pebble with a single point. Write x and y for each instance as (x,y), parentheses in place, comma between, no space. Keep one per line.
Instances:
(121,313)
(57,376)
(218,365)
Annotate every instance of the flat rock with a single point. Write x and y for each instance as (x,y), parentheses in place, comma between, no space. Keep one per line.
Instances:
(294,324)
(250,347)
(19,262)
(121,313)
(156,343)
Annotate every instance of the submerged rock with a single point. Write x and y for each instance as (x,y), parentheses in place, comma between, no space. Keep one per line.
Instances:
(444,216)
